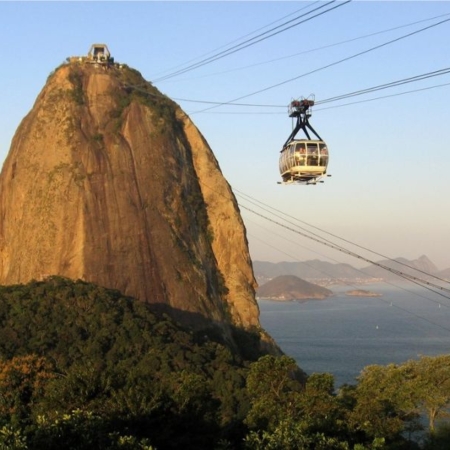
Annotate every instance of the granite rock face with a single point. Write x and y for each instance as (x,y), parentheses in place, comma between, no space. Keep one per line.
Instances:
(109,181)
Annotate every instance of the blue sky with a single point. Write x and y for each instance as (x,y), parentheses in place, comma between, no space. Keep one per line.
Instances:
(389,158)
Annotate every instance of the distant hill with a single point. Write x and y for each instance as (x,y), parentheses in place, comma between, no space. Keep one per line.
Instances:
(445,274)
(290,287)
(422,263)
(314,269)
(325,273)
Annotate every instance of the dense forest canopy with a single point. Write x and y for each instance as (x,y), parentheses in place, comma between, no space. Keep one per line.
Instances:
(83,367)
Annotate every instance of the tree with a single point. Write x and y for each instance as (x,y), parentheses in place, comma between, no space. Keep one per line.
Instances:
(384,402)
(439,439)
(287,415)
(432,386)
(81,430)
(319,404)
(23,380)
(273,390)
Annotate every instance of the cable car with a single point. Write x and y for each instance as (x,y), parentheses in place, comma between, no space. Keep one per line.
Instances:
(303,161)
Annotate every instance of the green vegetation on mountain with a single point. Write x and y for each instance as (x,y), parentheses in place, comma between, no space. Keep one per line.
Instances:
(74,347)
(84,367)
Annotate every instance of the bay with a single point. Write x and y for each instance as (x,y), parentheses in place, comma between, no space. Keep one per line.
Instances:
(341,335)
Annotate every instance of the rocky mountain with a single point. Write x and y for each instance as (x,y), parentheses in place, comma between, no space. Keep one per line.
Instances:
(314,269)
(290,287)
(445,274)
(328,272)
(403,265)
(109,181)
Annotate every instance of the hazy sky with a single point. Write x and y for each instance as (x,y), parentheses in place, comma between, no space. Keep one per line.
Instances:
(389,158)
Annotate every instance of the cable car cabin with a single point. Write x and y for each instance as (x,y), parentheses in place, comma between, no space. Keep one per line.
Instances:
(303,161)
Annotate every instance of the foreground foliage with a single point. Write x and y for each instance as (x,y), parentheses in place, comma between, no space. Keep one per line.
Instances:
(82,367)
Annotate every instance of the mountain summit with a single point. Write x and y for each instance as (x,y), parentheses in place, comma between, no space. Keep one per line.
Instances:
(109,181)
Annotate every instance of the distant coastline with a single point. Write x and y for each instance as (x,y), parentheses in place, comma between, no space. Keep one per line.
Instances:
(325,274)
(363,293)
(293,299)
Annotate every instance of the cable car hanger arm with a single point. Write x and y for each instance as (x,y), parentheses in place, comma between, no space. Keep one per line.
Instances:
(302,124)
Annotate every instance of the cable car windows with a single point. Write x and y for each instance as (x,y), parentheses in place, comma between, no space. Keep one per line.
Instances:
(323,155)
(287,159)
(283,160)
(300,147)
(300,154)
(292,156)
(303,160)
(300,160)
(313,155)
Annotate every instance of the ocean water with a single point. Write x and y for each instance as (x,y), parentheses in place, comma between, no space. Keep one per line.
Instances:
(342,335)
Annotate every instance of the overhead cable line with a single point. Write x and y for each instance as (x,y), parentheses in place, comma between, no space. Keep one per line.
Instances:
(431,322)
(237,47)
(327,66)
(391,304)
(329,243)
(291,242)
(231,104)
(387,85)
(432,287)
(325,241)
(328,257)
(277,213)
(391,84)
(315,49)
(386,96)
(335,106)
(416,280)
(243,37)
(252,41)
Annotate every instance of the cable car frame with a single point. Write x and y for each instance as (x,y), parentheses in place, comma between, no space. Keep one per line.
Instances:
(303,161)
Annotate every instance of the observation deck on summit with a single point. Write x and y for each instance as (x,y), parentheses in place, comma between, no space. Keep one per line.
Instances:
(99,54)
